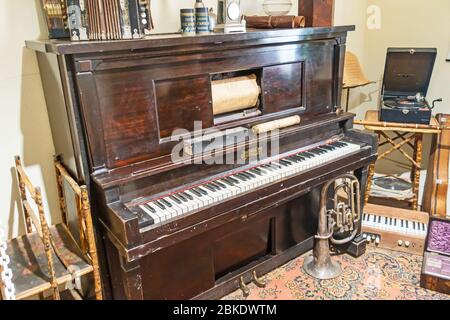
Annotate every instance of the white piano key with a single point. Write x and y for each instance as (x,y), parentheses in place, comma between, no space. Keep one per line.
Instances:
(154,216)
(255,178)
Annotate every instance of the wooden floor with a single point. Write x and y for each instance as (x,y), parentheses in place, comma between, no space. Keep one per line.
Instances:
(378,274)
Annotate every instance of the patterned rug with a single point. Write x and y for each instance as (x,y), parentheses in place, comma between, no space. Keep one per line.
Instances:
(378,274)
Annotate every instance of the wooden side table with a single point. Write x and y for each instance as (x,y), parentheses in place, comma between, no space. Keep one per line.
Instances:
(406,135)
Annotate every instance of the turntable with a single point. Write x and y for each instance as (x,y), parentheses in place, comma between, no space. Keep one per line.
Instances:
(405,85)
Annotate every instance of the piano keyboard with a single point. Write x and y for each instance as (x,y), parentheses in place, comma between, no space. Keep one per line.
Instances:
(394,225)
(395,229)
(238,182)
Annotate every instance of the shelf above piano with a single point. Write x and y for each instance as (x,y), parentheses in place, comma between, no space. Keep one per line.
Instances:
(169,40)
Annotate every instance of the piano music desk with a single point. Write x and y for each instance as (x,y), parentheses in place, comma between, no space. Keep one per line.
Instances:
(405,135)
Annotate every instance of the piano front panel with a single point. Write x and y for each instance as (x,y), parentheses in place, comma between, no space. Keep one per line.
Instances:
(139,101)
(214,256)
(179,102)
(283,87)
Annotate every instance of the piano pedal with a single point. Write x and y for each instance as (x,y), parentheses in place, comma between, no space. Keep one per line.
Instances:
(244,288)
(257,281)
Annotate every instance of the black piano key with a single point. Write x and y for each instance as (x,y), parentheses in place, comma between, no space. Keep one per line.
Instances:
(240,177)
(423,226)
(167,203)
(226,181)
(283,163)
(175,199)
(160,205)
(220,184)
(196,193)
(385,220)
(390,221)
(407,224)
(150,208)
(414,225)
(293,159)
(210,188)
(379,219)
(401,223)
(181,197)
(256,171)
(374,217)
(248,175)
(203,191)
(291,162)
(187,195)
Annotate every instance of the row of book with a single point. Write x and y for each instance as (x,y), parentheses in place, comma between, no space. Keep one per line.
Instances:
(83,20)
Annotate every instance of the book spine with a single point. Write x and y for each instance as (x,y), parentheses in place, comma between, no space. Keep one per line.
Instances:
(134,14)
(77,20)
(125,23)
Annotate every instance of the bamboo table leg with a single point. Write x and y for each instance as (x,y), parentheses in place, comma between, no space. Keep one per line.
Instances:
(369,183)
(370,176)
(415,173)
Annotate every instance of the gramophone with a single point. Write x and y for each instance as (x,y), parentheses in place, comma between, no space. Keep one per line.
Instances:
(229,17)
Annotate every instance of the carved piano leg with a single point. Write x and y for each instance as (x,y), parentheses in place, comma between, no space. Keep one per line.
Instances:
(125,278)
(132,280)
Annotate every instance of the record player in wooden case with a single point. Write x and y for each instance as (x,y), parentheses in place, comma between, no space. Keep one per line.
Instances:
(405,85)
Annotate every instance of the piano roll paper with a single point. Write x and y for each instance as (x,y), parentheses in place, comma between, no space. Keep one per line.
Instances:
(277,124)
(274,22)
(235,94)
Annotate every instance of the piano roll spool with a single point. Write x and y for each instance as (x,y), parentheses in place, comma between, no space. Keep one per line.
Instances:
(235,94)
(277,124)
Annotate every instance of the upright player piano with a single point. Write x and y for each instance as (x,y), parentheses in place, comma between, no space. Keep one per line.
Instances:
(177,230)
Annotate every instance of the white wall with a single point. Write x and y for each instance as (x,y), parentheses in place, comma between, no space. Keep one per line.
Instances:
(24,123)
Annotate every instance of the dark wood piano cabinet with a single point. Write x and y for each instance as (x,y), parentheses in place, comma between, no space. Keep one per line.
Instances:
(113,106)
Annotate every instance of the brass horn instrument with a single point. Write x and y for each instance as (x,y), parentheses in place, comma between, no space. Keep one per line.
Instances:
(342,218)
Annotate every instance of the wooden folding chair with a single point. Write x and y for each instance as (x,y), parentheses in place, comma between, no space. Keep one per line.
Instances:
(48,257)
(83,229)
